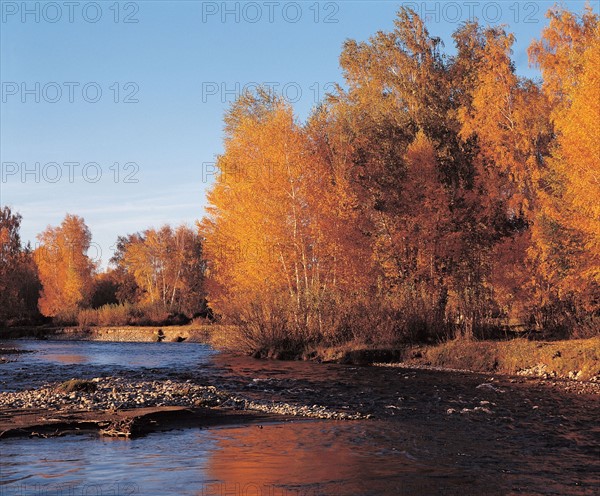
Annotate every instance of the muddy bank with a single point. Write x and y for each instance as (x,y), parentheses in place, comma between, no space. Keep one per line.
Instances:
(577,359)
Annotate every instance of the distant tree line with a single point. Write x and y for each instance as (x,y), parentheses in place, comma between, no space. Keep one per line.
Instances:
(154,277)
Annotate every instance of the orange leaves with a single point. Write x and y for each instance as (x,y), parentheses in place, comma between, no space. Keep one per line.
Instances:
(256,232)
(567,234)
(572,199)
(509,118)
(64,268)
(19,285)
(273,227)
(558,52)
(427,184)
(166,265)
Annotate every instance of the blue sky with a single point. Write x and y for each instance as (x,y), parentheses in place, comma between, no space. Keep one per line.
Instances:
(115,120)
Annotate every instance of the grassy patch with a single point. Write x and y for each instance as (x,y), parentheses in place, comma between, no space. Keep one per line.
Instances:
(73,385)
(570,358)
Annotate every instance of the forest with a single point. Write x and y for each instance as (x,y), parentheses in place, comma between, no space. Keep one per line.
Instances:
(430,197)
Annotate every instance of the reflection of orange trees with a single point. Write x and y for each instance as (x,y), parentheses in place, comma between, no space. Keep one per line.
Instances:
(315,458)
(449,193)
(65,270)
(283,460)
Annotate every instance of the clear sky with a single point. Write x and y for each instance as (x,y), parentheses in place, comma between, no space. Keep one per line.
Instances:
(113,110)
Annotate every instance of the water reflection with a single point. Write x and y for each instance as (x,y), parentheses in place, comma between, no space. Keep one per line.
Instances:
(66,359)
(291,459)
(54,361)
(333,458)
(537,440)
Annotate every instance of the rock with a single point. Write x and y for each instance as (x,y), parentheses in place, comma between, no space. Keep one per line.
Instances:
(487,385)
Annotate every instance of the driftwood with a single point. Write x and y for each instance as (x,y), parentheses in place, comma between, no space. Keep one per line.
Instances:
(119,423)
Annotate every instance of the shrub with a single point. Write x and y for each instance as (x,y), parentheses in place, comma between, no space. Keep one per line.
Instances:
(76,385)
(87,317)
(114,314)
(67,317)
(126,314)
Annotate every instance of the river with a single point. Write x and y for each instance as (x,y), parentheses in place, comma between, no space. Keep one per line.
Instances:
(429,432)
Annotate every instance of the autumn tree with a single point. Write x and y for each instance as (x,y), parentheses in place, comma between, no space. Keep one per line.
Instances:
(566,235)
(167,267)
(19,283)
(276,222)
(66,271)
(256,232)
(104,289)
(505,119)
(400,87)
(442,193)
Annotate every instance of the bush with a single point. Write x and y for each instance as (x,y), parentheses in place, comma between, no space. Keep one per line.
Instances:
(87,317)
(127,314)
(282,327)
(66,318)
(148,314)
(114,314)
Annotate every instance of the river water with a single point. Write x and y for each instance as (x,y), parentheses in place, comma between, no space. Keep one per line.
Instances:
(531,438)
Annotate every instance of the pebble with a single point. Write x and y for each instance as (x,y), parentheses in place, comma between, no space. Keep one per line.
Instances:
(118,393)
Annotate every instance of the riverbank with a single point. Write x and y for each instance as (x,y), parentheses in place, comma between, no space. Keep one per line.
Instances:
(455,429)
(576,359)
(130,334)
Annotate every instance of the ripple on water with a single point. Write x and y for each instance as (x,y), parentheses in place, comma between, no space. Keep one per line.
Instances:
(297,458)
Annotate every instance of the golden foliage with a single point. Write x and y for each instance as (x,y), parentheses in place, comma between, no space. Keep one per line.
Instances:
(64,268)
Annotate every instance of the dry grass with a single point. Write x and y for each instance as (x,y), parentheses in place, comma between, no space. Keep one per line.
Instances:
(580,357)
(73,385)
(223,337)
